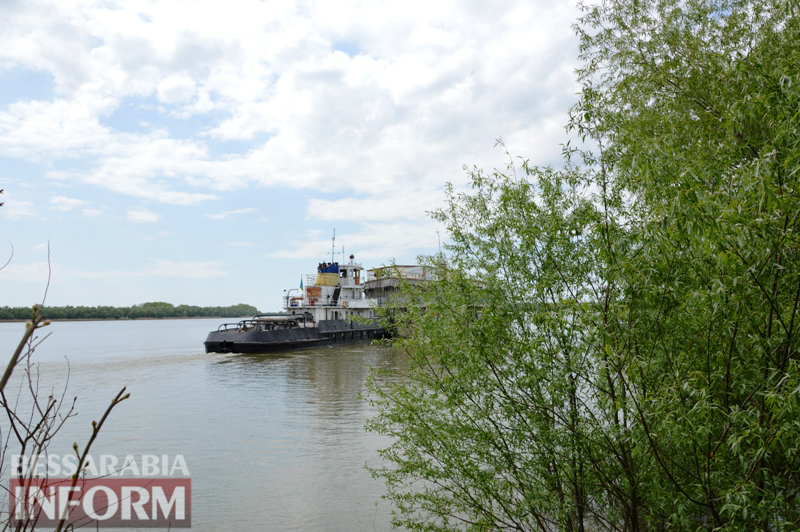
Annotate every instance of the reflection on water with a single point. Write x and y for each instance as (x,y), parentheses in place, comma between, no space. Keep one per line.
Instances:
(273,442)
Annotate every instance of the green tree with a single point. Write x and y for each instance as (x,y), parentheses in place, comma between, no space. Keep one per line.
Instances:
(612,346)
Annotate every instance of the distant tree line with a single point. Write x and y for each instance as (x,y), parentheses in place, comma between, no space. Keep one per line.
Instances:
(155,309)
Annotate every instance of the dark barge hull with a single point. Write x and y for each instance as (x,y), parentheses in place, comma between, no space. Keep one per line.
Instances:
(327,333)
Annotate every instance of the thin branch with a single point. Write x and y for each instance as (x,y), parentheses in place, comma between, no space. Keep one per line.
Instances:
(29,330)
(10,256)
(49,273)
(121,396)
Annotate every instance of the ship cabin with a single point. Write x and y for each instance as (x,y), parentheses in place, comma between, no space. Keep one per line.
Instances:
(335,292)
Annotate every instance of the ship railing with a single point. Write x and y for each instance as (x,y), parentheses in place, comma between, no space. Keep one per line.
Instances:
(327,302)
(354,302)
(266,322)
(253,325)
(244,325)
(225,327)
(351,298)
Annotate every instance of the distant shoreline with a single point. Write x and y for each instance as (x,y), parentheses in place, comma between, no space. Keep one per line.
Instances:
(157,310)
(136,319)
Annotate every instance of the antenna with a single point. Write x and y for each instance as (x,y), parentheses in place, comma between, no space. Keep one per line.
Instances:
(333,243)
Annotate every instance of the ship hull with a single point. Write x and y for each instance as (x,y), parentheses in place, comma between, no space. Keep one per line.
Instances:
(326,333)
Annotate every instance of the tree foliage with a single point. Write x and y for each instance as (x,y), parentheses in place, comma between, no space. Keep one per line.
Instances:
(613,346)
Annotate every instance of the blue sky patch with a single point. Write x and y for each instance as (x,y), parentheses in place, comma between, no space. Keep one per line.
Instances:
(349,47)
(22,84)
(143,115)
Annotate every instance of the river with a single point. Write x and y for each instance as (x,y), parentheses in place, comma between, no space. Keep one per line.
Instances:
(272,442)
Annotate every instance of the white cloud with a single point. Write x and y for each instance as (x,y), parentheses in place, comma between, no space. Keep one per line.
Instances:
(142,165)
(163,268)
(176,89)
(228,214)
(90,213)
(34,272)
(64,203)
(59,128)
(142,216)
(373,241)
(428,89)
(14,210)
(186,270)
(403,205)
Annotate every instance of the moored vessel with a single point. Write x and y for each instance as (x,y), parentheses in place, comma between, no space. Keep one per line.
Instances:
(331,309)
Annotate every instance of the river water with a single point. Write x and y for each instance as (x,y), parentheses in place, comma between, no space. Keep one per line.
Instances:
(272,442)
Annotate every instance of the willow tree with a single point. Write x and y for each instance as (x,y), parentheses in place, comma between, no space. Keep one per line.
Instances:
(613,345)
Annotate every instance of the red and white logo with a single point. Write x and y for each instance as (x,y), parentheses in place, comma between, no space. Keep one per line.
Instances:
(108,502)
(146,491)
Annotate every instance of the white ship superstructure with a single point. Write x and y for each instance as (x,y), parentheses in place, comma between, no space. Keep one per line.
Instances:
(335,292)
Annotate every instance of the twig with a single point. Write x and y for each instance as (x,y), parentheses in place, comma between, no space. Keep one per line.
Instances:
(31,327)
(121,396)
(49,273)
(10,256)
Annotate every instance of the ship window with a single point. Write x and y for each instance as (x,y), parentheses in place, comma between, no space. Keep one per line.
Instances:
(344,274)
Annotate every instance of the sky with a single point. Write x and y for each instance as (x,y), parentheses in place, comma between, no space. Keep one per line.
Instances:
(203,152)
